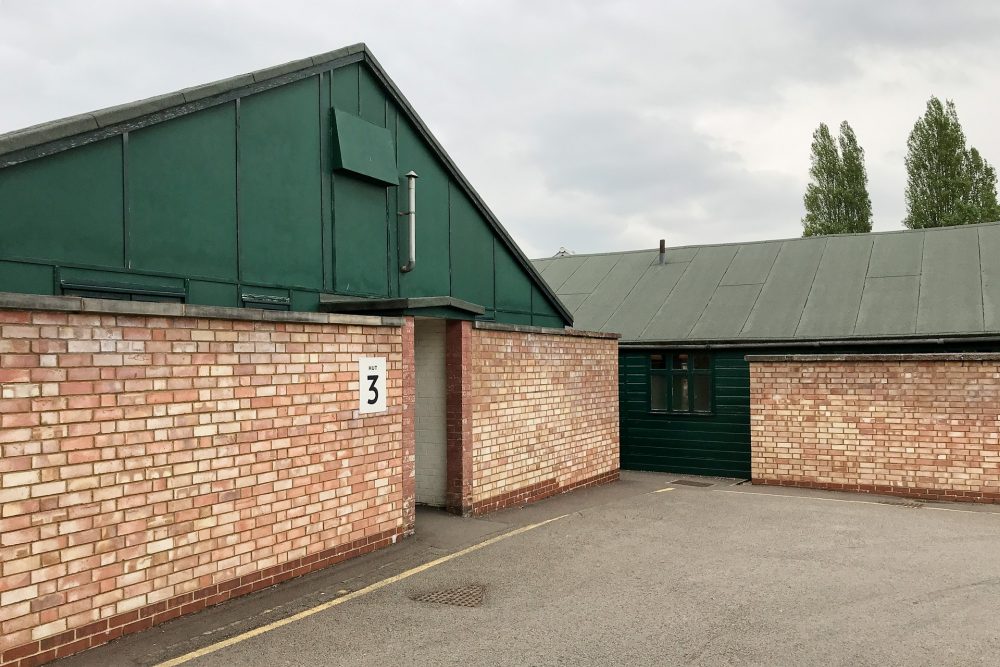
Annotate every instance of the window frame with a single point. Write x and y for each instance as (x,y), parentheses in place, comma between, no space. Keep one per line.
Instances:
(690,373)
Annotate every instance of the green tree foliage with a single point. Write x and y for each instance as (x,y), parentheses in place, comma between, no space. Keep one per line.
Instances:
(836,199)
(981,202)
(947,184)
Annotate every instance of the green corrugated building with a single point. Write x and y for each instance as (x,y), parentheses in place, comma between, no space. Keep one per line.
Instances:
(284,188)
(688,318)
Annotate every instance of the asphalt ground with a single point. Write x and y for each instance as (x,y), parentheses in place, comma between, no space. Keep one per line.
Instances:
(631,574)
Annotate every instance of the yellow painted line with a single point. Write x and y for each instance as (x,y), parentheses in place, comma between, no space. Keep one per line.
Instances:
(669,488)
(858,502)
(256,632)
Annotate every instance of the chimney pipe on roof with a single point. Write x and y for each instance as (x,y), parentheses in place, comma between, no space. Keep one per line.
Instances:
(663,251)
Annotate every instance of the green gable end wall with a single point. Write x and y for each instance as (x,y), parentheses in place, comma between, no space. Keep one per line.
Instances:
(242,198)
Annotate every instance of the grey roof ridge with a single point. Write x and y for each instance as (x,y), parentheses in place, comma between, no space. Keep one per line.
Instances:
(568,276)
(96,120)
(796,238)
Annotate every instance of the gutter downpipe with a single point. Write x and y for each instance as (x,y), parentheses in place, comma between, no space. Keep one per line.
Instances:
(411,187)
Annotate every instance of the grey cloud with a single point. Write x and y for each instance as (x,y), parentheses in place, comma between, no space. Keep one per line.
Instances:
(577,121)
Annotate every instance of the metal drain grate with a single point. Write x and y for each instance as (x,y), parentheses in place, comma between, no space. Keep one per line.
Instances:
(691,482)
(909,506)
(463,596)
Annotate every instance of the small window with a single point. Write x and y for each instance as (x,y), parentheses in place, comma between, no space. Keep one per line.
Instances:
(680,383)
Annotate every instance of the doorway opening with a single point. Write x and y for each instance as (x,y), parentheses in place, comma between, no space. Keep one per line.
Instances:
(431,416)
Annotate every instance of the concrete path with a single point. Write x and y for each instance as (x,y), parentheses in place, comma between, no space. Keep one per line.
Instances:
(631,574)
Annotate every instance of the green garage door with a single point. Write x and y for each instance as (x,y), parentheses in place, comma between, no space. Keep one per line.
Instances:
(685,412)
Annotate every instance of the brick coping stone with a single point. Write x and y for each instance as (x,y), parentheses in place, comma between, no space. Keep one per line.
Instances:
(75,304)
(525,328)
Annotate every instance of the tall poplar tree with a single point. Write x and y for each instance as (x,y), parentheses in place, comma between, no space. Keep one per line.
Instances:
(947,184)
(836,199)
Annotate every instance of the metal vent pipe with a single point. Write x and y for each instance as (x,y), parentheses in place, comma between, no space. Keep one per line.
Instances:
(411,187)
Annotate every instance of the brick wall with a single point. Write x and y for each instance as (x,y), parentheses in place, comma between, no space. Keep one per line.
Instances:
(151,466)
(915,425)
(543,412)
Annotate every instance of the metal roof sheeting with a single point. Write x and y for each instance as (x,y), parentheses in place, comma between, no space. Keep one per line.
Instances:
(924,282)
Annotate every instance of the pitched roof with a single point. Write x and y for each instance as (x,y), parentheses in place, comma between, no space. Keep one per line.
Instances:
(887,285)
(59,135)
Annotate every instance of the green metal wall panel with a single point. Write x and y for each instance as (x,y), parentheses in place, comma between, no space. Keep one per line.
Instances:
(326,178)
(25,278)
(471,252)
(513,286)
(360,237)
(345,88)
(305,301)
(182,195)
(205,293)
(66,207)
(280,193)
(543,309)
(394,220)
(371,98)
(430,277)
(514,318)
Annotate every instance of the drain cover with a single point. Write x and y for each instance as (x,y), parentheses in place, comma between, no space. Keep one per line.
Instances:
(463,596)
(691,482)
(910,505)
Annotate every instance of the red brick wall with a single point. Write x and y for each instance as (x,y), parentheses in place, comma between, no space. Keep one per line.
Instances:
(916,425)
(150,466)
(544,414)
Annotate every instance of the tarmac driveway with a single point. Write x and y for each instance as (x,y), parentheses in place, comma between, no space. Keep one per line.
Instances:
(632,574)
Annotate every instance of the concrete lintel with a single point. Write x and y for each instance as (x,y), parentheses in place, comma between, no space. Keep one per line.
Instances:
(929,356)
(526,328)
(74,304)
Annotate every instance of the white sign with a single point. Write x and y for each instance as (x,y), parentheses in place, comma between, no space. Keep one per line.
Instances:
(371,384)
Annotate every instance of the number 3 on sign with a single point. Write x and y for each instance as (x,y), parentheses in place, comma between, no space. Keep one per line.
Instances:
(371,384)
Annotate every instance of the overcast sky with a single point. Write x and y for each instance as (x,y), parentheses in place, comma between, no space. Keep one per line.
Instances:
(596,126)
